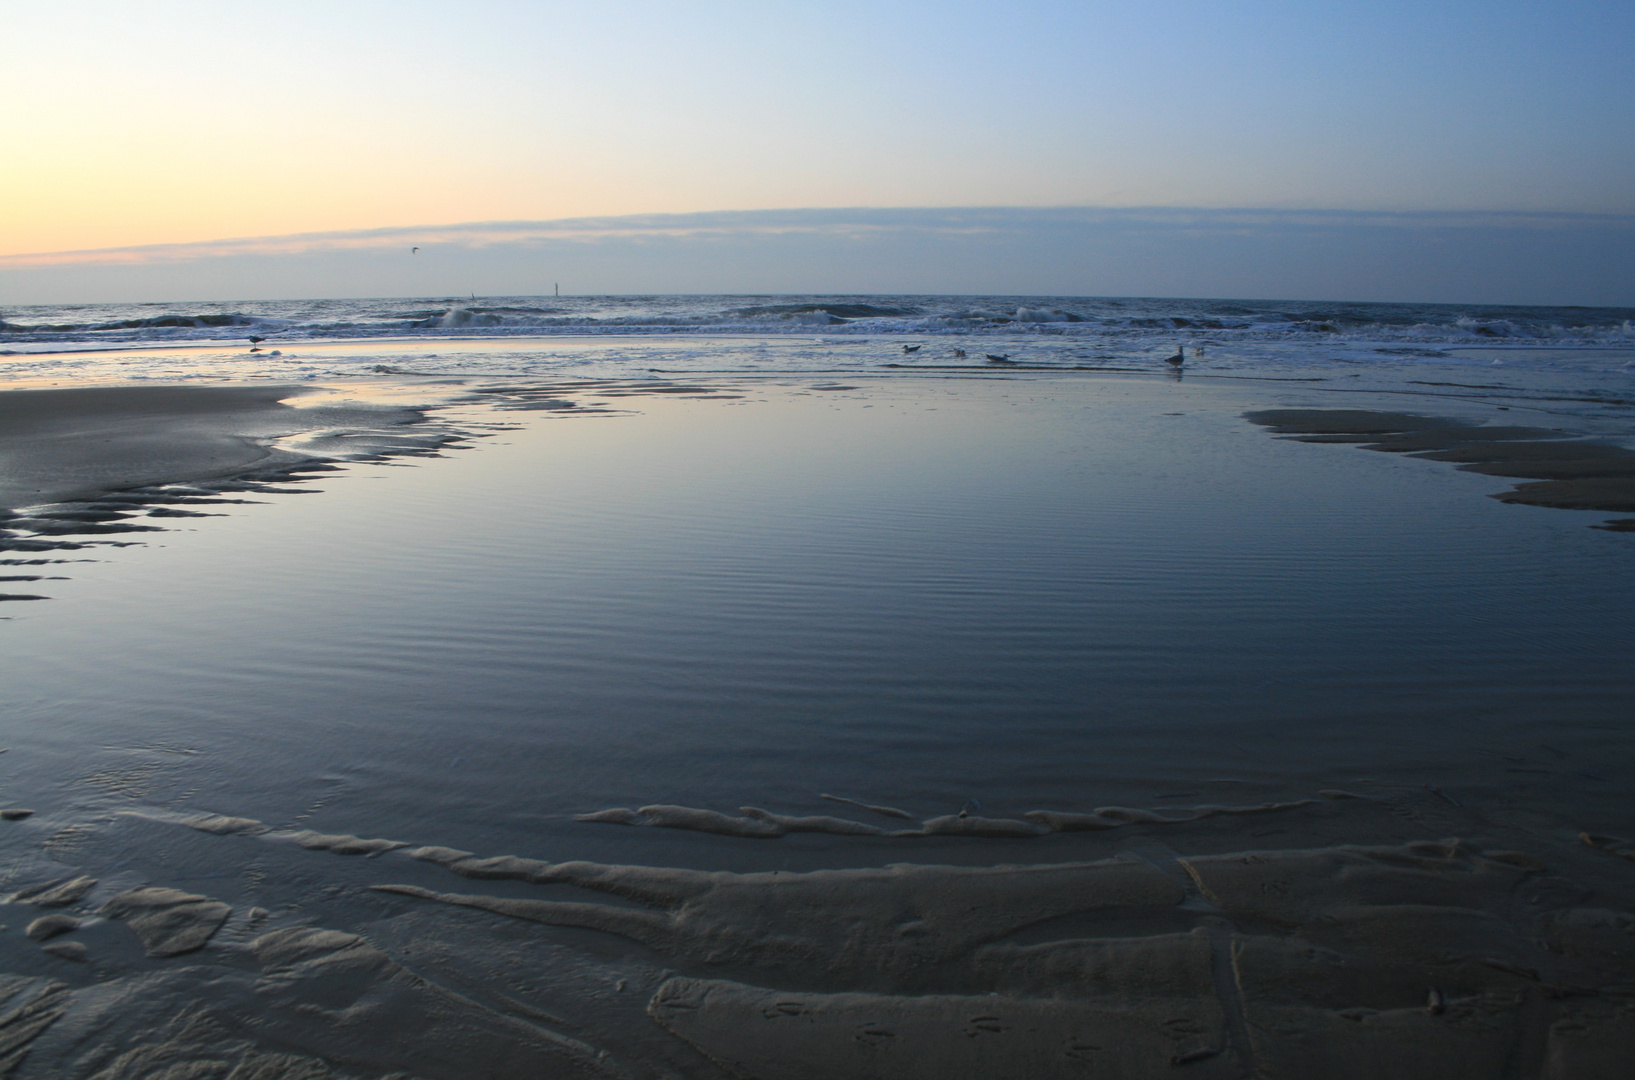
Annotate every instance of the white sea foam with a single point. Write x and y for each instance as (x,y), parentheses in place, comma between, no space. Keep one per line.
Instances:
(623,335)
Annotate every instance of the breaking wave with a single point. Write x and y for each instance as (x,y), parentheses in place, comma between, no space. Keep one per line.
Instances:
(1092,319)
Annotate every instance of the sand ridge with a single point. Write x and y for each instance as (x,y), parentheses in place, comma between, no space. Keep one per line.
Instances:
(764,824)
(1426,959)
(1407,959)
(86,467)
(1568,473)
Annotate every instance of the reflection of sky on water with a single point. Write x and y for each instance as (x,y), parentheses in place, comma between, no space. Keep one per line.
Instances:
(1040,593)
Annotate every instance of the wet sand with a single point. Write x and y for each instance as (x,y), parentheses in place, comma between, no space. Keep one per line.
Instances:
(99,460)
(1383,929)
(77,443)
(1428,958)
(1568,472)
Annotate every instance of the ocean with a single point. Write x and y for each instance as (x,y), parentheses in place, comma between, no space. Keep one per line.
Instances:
(813,332)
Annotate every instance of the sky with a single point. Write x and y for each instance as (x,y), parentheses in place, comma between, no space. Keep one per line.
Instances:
(137,129)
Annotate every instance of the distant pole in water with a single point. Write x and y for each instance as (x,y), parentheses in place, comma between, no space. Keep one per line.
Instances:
(557,287)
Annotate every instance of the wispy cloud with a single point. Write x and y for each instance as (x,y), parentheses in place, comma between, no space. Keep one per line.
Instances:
(862,223)
(1476,257)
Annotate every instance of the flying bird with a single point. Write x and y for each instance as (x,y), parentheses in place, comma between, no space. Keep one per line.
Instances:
(414,251)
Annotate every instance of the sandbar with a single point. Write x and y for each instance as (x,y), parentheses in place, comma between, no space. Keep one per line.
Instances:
(81,442)
(1567,473)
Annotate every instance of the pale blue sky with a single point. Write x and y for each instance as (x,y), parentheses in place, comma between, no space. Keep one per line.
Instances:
(174,121)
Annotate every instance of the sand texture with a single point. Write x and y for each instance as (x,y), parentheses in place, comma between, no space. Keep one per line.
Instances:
(76,443)
(1349,961)
(777,1035)
(1428,958)
(1568,473)
(80,466)
(55,893)
(765,825)
(168,921)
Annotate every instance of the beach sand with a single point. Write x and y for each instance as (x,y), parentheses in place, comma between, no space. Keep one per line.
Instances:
(1428,958)
(1390,927)
(63,444)
(105,459)
(1568,473)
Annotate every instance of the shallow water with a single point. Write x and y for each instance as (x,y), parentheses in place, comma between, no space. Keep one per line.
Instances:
(1029,593)
(1002,595)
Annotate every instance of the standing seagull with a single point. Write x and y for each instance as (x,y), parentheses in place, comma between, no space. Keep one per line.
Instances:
(1178,359)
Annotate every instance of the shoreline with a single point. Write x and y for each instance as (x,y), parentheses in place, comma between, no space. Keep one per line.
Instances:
(79,443)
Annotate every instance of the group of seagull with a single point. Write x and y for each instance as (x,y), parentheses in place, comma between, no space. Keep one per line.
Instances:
(1175,361)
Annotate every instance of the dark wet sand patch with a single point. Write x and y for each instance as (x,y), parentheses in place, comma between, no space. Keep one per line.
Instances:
(57,445)
(1405,961)
(87,466)
(1418,959)
(1568,473)
(94,453)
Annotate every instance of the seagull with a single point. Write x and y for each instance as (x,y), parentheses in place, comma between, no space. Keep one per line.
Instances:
(256,340)
(959,354)
(1179,358)
(414,251)
(911,348)
(992,359)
